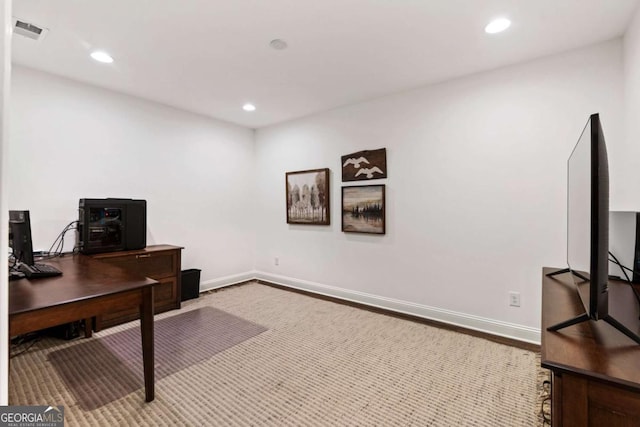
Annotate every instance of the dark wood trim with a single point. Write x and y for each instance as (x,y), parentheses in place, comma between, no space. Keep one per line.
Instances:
(222,288)
(442,325)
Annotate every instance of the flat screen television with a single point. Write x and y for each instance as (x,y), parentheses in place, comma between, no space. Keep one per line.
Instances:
(20,236)
(588,227)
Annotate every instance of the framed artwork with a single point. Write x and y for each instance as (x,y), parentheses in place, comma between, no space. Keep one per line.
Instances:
(363,165)
(308,197)
(363,209)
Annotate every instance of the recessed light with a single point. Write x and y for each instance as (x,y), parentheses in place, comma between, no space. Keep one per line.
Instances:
(249,107)
(497,25)
(101,56)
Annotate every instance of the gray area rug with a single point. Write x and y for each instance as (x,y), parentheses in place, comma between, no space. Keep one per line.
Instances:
(102,370)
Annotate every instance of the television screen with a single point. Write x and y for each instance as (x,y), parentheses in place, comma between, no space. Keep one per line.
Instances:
(588,217)
(579,204)
(588,227)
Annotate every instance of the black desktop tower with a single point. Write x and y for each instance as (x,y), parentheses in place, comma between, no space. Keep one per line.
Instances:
(107,225)
(136,224)
(68,331)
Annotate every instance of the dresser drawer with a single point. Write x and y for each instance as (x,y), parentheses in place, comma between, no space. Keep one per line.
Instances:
(164,298)
(159,262)
(165,294)
(154,264)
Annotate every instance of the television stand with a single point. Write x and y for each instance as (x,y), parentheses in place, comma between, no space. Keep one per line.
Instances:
(568,270)
(595,378)
(584,317)
(619,326)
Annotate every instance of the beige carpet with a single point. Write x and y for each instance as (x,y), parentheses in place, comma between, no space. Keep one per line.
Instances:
(318,364)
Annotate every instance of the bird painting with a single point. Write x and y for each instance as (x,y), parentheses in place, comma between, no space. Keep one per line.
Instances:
(363,165)
(369,171)
(355,162)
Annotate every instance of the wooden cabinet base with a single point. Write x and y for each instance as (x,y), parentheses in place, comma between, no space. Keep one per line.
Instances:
(581,401)
(159,262)
(595,369)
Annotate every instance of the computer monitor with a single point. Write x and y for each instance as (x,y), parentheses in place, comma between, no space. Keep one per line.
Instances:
(20,232)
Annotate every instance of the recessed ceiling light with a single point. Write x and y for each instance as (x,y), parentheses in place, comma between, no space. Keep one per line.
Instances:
(278,44)
(497,25)
(249,107)
(101,56)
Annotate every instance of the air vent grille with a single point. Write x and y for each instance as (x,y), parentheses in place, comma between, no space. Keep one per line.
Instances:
(29,30)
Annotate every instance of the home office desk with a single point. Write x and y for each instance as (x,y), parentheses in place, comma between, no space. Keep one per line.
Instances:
(595,368)
(86,288)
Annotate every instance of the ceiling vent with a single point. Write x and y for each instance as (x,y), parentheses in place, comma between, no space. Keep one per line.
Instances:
(29,30)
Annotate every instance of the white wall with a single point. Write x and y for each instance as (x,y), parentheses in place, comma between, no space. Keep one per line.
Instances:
(475,191)
(628,196)
(5,80)
(475,194)
(70,140)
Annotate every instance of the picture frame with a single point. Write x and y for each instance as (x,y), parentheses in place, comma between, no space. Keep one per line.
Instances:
(363,209)
(364,165)
(308,197)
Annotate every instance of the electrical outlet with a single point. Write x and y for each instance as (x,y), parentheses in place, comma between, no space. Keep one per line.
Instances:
(276,261)
(514,299)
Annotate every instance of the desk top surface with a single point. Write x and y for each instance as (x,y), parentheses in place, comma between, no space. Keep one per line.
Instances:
(594,348)
(82,278)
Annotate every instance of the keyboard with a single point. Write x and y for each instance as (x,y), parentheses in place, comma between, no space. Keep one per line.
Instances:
(39,270)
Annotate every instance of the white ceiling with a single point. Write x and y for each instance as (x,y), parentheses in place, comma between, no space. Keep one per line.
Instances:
(211,56)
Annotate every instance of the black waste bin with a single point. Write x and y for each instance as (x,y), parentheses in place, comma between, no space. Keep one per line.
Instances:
(190,284)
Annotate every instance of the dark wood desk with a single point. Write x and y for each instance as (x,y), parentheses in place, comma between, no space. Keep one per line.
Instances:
(595,368)
(87,288)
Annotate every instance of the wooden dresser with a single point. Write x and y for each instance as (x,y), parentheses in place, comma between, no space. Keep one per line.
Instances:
(595,368)
(159,262)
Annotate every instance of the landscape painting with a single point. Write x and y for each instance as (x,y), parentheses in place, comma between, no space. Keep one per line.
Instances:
(363,209)
(308,197)
(363,165)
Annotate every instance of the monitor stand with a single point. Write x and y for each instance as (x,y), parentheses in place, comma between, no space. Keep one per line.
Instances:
(568,270)
(584,317)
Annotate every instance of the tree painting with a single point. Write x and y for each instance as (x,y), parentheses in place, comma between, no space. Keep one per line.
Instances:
(308,197)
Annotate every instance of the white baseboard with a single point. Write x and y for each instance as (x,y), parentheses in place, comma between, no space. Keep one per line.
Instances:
(476,323)
(222,282)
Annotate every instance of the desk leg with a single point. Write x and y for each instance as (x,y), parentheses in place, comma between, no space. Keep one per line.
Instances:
(146,326)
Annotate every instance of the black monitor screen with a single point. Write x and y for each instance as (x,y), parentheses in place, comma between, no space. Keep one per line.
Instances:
(588,217)
(20,231)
